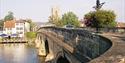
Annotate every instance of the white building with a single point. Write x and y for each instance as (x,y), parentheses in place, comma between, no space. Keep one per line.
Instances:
(26,27)
(14,27)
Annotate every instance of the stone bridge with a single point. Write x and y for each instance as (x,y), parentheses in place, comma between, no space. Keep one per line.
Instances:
(59,45)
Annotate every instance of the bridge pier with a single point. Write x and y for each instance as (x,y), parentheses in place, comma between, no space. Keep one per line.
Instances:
(37,42)
(40,44)
(49,46)
(41,50)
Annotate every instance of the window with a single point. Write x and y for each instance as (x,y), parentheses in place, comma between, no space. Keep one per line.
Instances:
(21,32)
(21,28)
(18,28)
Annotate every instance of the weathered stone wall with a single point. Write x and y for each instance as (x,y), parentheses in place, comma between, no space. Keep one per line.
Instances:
(86,45)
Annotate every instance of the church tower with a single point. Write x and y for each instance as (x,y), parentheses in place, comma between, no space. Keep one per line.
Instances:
(55,13)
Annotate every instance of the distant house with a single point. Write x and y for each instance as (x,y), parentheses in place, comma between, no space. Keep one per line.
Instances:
(16,27)
(121,26)
(82,23)
(9,27)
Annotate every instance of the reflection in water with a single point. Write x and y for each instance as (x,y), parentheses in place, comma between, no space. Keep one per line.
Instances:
(18,53)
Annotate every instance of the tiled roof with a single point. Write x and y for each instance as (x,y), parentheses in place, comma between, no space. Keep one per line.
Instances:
(9,24)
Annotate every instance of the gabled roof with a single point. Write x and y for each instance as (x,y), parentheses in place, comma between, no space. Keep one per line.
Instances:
(9,24)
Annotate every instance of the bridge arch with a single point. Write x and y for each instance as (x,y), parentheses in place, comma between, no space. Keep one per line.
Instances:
(47,47)
(62,59)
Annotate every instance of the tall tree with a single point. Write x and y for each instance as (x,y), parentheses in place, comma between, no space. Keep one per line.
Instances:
(32,25)
(100,18)
(55,18)
(9,16)
(70,18)
(98,5)
(1,23)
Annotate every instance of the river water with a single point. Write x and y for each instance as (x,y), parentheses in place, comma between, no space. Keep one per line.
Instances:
(18,53)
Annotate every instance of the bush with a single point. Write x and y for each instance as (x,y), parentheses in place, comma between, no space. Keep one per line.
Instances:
(31,35)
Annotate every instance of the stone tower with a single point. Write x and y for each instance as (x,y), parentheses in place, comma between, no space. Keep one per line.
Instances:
(55,13)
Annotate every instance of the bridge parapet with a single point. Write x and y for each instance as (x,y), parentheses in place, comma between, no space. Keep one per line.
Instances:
(85,44)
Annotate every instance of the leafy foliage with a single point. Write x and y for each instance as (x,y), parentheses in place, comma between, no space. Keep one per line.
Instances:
(70,18)
(100,18)
(32,25)
(1,23)
(31,35)
(55,20)
(9,16)
(67,18)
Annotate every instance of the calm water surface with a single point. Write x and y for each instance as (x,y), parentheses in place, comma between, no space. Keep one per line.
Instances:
(18,53)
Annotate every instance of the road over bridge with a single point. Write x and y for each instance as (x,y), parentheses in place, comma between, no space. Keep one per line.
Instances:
(61,45)
(116,54)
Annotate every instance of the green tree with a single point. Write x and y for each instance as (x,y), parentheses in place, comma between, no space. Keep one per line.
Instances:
(1,23)
(31,35)
(55,20)
(32,25)
(9,16)
(70,18)
(100,18)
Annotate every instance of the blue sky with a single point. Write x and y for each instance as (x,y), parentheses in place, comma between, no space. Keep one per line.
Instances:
(40,10)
